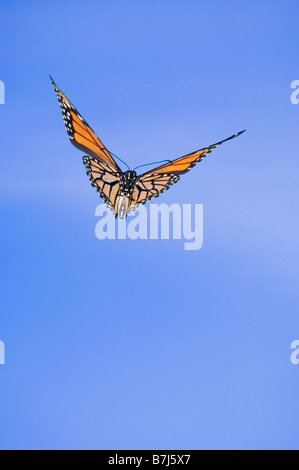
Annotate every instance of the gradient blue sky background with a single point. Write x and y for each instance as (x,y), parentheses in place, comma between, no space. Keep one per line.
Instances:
(142,345)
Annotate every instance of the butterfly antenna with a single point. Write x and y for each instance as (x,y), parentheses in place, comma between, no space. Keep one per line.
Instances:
(153,163)
(113,154)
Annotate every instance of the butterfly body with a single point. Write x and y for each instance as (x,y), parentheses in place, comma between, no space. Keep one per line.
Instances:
(122,191)
(127,182)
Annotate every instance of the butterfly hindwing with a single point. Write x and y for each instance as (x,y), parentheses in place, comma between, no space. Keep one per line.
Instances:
(80,133)
(151,186)
(105,180)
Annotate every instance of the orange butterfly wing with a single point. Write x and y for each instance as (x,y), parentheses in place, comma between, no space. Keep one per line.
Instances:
(154,182)
(183,164)
(80,133)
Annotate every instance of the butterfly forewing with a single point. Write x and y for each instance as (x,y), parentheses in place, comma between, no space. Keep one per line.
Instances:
(80,133)
(153,183)
(183,164)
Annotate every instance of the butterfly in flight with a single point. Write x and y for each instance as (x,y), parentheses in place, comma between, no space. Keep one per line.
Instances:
(121,191)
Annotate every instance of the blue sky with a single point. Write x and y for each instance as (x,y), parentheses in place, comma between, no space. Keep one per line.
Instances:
(140,344)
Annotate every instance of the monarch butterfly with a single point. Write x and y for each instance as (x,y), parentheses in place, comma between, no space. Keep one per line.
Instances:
(122,192)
